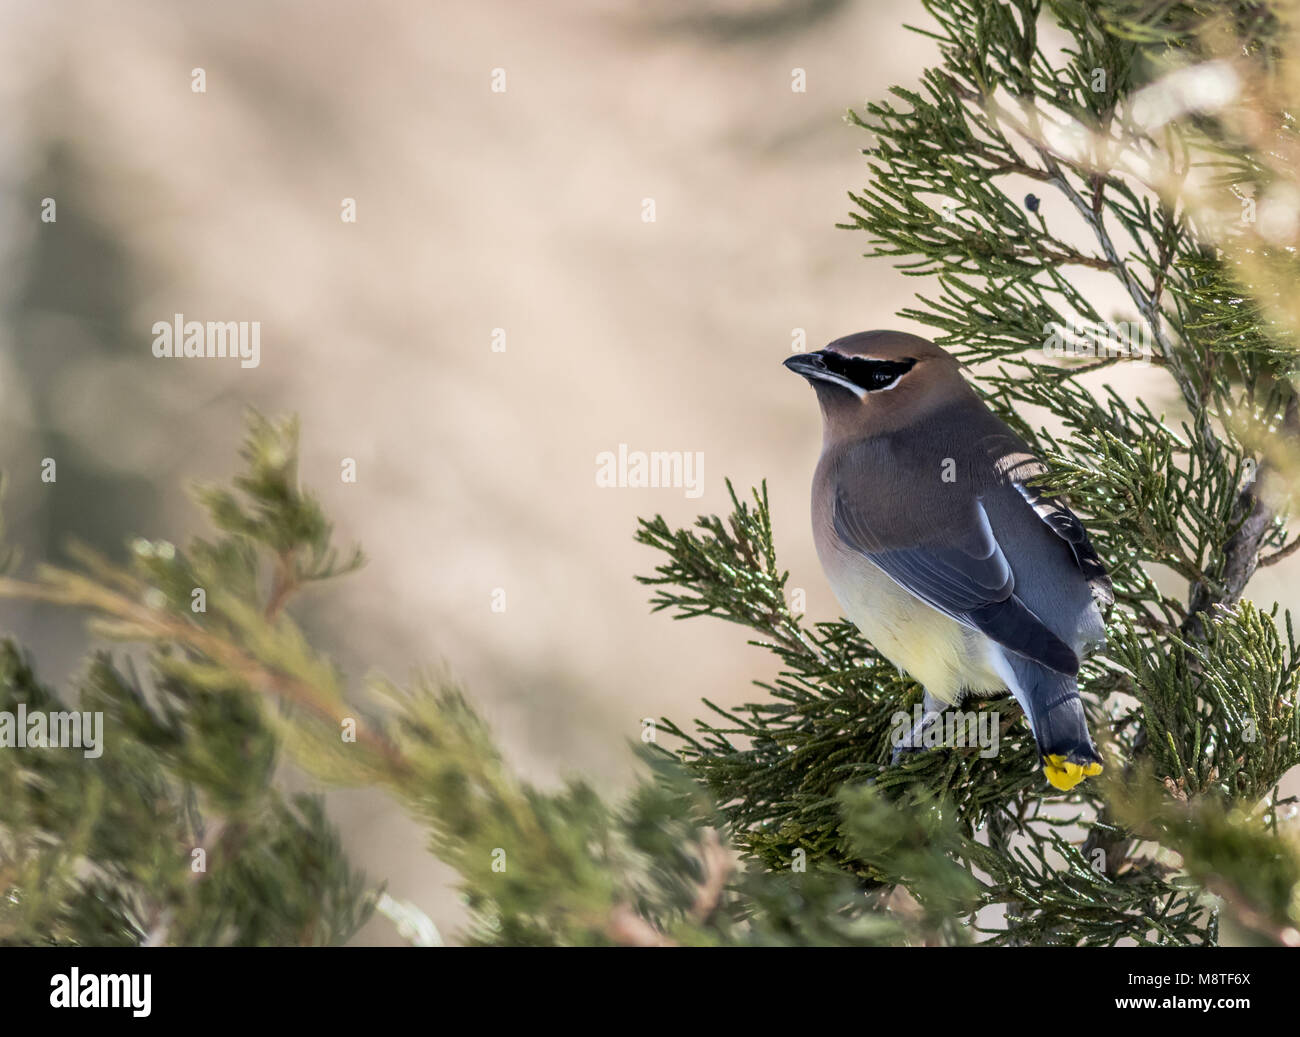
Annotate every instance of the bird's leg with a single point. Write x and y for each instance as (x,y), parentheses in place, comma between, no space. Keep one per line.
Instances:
(914,741)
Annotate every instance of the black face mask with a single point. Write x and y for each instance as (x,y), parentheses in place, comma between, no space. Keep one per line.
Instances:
(866,373)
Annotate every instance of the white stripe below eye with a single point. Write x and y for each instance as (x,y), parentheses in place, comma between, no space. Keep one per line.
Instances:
(885,388)
(831,376)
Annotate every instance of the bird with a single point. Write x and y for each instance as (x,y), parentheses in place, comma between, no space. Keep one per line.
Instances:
(940,550)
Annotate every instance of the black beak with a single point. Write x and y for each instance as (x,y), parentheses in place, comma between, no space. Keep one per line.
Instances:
(810,365)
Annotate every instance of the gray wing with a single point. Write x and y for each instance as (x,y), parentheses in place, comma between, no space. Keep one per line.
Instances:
(1066,525)
(1018,467)
(936,543)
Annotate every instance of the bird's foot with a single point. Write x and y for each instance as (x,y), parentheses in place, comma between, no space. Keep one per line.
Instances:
(914,740)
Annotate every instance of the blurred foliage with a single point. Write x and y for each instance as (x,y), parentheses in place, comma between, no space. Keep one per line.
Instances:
(101,850)
(71,310)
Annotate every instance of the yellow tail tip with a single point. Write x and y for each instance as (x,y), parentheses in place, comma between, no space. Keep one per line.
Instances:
(1064,775)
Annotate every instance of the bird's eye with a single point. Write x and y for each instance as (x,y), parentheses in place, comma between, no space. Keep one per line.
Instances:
(868,374)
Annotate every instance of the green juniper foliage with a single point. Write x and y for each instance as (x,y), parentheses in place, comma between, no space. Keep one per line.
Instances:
(780,822)
(103,850)
(1195,693)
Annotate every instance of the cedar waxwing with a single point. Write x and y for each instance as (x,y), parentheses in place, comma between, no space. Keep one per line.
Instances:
(950,564)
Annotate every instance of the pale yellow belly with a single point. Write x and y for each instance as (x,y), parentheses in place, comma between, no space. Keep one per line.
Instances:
(941,654)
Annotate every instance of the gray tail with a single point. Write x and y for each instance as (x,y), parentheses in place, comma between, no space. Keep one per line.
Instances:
(1051,702)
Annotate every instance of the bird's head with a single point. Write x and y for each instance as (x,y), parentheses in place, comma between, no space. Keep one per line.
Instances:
(876,381)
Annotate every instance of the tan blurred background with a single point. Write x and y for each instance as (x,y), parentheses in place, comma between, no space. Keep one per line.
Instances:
(476,210)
